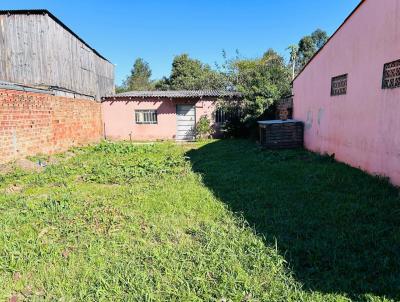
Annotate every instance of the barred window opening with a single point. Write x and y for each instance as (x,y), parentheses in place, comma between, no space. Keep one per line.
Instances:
(222,116)
(146,116)
(339,85)
(391,75)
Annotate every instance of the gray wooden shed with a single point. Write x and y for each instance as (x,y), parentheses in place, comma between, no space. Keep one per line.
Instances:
(37,49)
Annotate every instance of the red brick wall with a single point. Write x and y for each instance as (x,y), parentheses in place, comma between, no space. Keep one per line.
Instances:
(32,123)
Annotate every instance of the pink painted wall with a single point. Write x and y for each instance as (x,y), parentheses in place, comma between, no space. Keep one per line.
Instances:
(119,117)
(362,127)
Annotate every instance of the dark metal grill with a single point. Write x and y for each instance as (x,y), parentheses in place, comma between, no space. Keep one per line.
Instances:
(391,75)
(339,85)
(222,116)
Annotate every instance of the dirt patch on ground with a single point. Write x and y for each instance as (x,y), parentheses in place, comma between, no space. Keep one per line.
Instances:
(14,188)
(35,166)
(6,168)
(23,164)
(54,160)
(28,165)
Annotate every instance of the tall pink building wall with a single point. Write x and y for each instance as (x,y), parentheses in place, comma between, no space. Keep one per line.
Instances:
(362,128)
(119,117)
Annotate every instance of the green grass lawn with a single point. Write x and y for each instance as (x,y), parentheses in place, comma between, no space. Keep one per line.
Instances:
(215,221)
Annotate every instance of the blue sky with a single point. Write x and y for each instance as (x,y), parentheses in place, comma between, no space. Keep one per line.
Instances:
(157,30)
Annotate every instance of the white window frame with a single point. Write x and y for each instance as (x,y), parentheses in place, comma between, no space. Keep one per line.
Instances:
(146,117)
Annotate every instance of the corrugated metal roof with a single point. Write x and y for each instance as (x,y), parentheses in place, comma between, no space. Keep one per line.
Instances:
(176,94)
(46,12)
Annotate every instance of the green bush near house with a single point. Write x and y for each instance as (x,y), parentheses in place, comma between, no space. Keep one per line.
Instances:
(203,128)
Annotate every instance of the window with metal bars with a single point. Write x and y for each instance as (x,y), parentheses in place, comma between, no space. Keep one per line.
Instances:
(146,116)
(222,116)
(339,85)
(391,75)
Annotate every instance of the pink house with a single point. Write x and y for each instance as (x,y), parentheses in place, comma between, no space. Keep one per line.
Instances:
(161,115)
(349,94)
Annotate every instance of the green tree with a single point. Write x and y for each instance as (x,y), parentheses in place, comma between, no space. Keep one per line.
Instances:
(139,79)
(261,81)
(308,46)
(162,84)
(191,74)
(320,37)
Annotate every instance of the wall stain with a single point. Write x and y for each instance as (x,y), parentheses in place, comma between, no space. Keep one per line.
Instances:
(321,112)
(309,121)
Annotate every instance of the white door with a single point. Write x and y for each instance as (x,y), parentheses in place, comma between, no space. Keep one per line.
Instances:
(185,122)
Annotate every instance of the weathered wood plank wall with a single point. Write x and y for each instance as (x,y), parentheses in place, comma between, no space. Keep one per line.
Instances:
(36,50)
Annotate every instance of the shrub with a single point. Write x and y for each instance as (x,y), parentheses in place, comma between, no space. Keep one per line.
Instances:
(203,128)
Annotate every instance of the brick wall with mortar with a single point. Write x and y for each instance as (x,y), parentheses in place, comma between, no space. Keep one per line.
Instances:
(284,108)
(35,123)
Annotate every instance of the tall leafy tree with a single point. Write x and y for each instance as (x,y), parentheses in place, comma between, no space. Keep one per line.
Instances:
(307,49)
(320,37)
(139,79)
(308,46)
(191,74)
(162,84)
(261,81)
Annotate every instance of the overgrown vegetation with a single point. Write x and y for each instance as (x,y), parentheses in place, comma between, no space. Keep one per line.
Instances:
(261,81)
(129,222)
(191,74)
(337,227)
(203,128)
(124,222)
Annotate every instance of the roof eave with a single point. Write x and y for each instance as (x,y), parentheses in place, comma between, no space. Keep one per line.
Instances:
(143,97)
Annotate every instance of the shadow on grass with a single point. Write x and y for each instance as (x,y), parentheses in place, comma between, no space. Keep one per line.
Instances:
(338,228)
